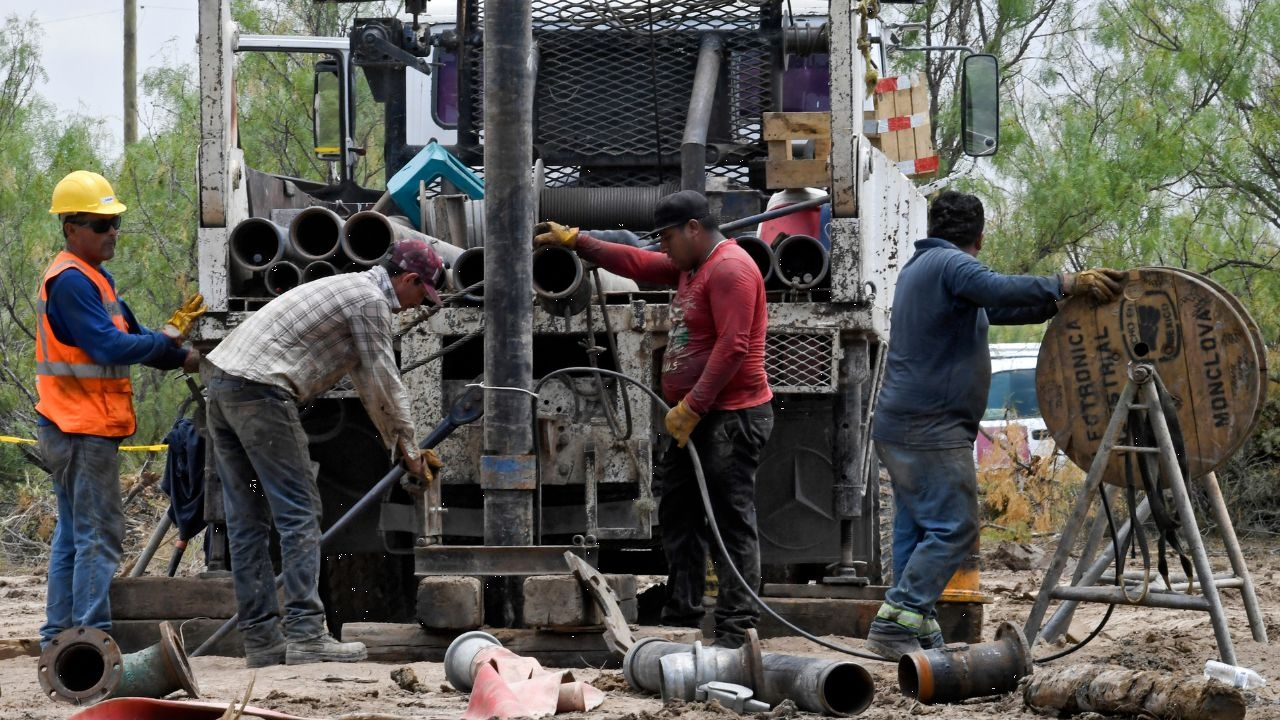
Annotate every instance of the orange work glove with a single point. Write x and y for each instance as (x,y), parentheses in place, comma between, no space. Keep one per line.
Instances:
(1101,284)
(553,233)
(680,423)
(422,467)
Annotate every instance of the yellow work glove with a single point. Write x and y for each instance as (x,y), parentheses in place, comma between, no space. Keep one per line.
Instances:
(680,423)
(422,469)
(1101,284)
(553,233)
(179,323)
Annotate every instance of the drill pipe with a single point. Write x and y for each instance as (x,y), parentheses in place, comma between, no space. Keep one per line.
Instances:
(255,244)
(318,269)
(83,665)
(368,235)
(562,283)
(801,262)
(281,277)
(468,269)
(760,252)
(314,235)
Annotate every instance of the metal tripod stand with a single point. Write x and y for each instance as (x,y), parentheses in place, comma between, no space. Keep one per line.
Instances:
(1142,387)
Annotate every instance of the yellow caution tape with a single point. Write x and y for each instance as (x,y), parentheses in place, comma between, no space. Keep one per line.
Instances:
(126,448)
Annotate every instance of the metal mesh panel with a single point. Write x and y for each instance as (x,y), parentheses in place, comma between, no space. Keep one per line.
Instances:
(801,362)
(645,15)
(613,85)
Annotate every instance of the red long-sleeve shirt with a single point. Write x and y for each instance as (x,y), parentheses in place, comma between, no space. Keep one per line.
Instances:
(715,347)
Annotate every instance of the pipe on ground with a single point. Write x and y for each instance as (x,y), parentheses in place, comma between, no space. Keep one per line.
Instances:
(675,670)
(958,672)
(801,262)
(83,666)
(315,234)
(693,147)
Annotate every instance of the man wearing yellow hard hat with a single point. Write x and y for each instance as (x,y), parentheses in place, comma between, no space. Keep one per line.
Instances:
(86,340)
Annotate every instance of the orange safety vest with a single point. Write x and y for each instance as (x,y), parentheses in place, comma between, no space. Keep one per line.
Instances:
(77,394)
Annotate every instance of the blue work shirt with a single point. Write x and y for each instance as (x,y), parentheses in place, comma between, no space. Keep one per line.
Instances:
(938,370)
(78,318)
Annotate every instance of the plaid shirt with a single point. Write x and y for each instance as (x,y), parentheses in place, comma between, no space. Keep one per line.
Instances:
(306,340)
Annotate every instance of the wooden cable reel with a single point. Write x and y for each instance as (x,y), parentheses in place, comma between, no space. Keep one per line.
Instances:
(1206,348)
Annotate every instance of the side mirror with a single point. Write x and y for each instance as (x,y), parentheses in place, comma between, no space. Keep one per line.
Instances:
(326,121)
(980,105)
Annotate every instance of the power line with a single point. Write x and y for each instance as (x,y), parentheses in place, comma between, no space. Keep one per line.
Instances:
(80,17)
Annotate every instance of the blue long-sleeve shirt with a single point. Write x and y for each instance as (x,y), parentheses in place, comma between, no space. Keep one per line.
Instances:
(78,318)
(938,370)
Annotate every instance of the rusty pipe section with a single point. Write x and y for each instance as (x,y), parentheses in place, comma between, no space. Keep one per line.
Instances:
(314,234)
(801,262)
(959,672)
(675,670)
(83,666)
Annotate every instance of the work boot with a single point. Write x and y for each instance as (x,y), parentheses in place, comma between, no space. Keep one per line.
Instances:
(890,640)
(323,648)
(727,641)
(930,637)
(265,656)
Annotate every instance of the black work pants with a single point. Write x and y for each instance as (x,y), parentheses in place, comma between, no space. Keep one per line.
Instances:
(729,445)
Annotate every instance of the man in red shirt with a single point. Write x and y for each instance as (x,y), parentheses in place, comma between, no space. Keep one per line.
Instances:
(713,372)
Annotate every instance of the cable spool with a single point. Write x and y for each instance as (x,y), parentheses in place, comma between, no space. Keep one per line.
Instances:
(1204,345)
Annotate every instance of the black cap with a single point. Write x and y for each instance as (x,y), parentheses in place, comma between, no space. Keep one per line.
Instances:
(679,208)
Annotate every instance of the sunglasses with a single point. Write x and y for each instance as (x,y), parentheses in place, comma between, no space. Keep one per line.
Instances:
(100,225)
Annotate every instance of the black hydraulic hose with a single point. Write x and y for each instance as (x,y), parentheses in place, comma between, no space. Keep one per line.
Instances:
(756,219)
(711,522)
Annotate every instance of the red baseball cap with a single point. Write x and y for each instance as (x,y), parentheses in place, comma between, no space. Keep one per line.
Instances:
(416,256)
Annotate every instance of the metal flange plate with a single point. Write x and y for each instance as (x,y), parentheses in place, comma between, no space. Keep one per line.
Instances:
(1199,339)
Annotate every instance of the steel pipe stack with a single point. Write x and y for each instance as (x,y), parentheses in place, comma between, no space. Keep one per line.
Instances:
(369,234)
(760,252)
(564,285)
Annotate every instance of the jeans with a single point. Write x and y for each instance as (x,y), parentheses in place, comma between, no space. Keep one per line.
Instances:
(935,496)
(260,452)
(729,444)
(87,539)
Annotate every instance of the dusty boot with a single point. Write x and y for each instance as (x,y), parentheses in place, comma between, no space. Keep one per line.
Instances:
(265,656)
(890,640)
(930,636)
(323,648)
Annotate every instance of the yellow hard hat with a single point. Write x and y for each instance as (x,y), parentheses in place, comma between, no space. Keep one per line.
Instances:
(85,192)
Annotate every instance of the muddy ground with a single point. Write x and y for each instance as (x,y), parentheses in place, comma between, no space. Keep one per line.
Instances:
(1167,641)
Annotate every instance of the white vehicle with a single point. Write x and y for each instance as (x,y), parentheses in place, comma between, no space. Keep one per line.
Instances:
(1012,424)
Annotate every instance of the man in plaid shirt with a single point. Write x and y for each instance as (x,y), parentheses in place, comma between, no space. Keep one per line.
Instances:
(285,354)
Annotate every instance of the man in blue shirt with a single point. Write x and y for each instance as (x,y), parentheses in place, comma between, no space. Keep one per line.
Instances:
(937,376)
(86,340)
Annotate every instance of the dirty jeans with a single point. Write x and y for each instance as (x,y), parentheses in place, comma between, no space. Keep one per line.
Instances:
(729,444)
(260,452)
(86,541)
(935,523)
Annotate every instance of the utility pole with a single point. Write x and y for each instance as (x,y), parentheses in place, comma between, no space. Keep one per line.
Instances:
(130,72)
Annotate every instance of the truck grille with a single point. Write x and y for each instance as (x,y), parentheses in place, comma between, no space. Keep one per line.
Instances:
(802,361)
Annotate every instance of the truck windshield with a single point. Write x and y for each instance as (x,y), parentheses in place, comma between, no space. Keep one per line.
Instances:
(1013,395)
